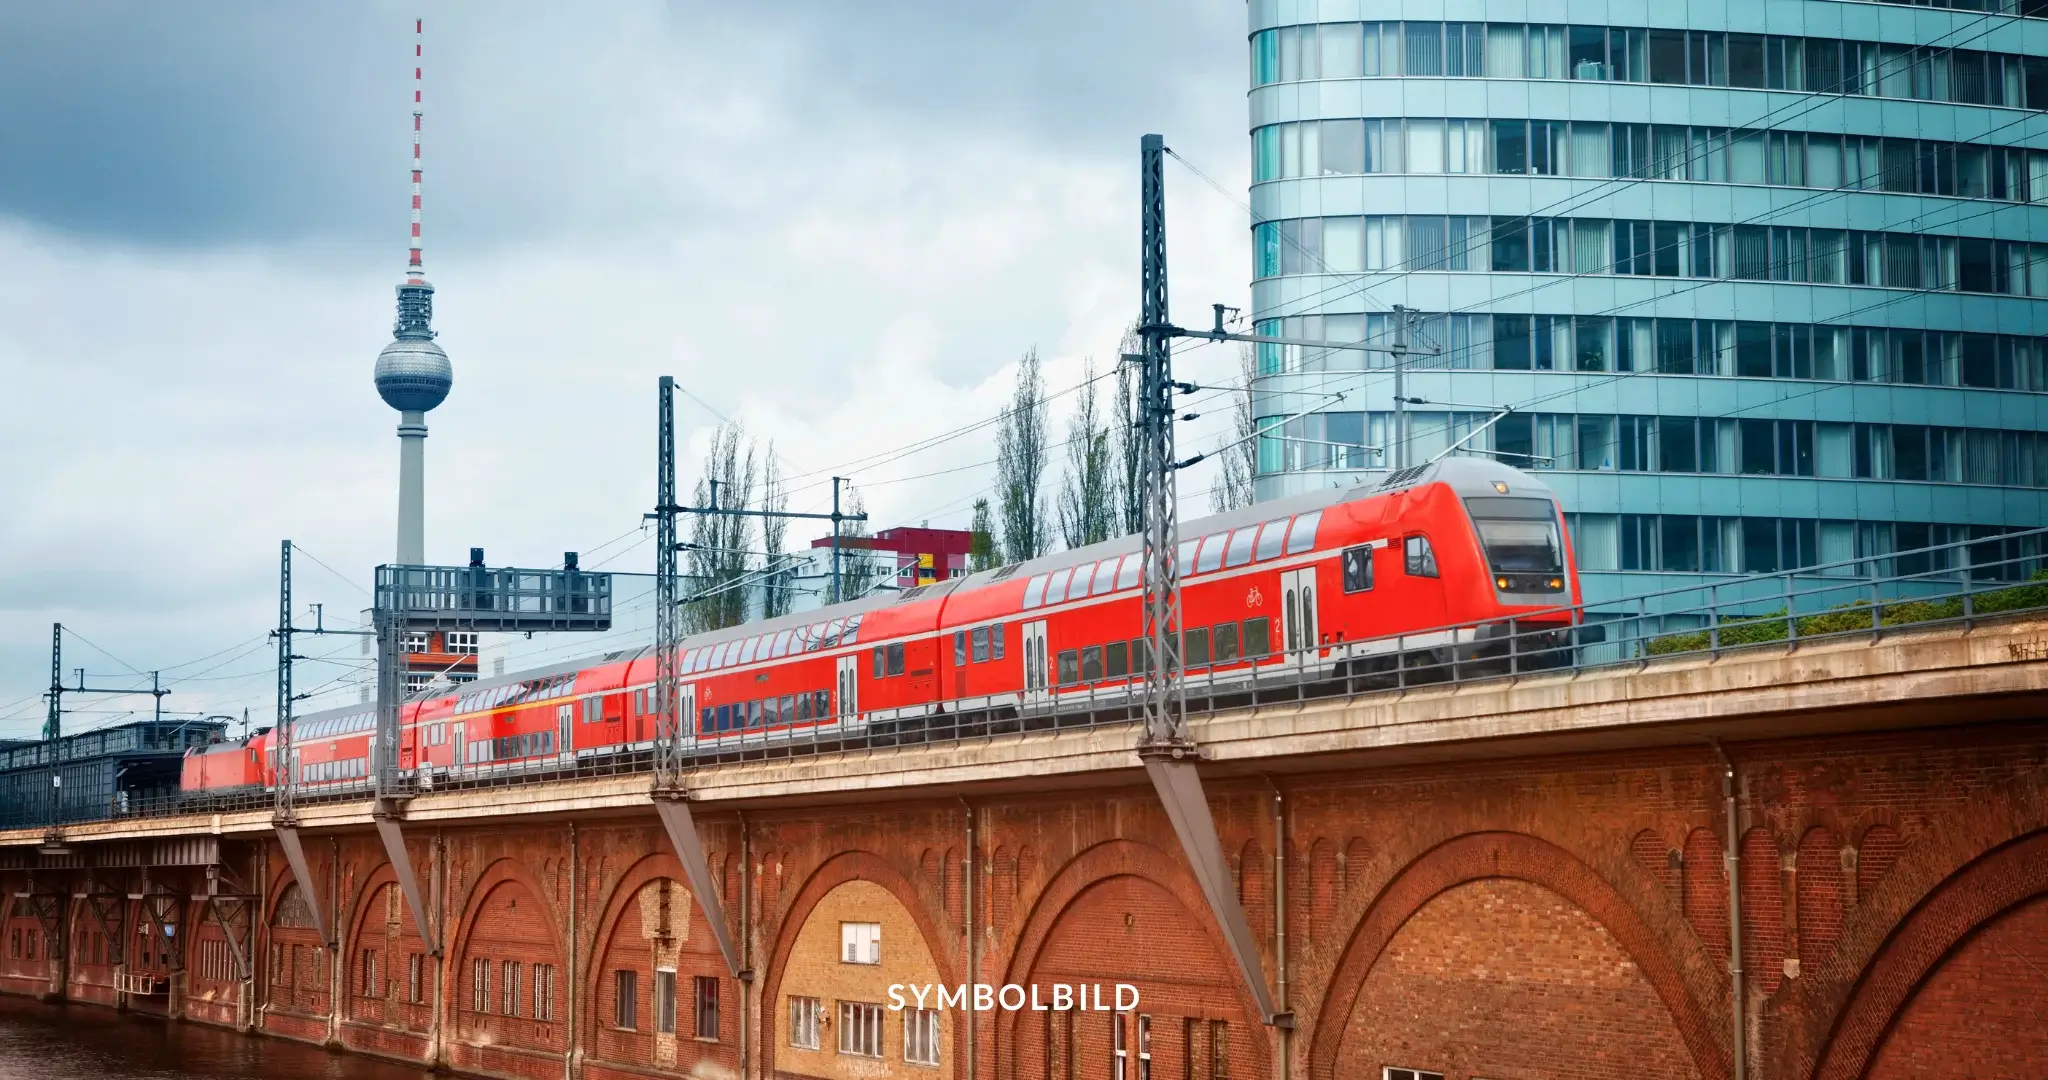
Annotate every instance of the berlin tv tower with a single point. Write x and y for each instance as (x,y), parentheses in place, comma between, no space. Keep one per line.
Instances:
(413,374)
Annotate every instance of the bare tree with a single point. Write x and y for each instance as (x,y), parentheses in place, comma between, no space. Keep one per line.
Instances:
(860,569)
(778,580)
(1020,465)
(981,546)
(721,545)
(1238,462)
(1087,500)
(1126,446)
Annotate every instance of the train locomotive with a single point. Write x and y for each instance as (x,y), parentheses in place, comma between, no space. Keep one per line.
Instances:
(1458,564)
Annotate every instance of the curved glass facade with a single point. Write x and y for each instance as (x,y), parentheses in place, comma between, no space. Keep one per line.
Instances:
(1765,284)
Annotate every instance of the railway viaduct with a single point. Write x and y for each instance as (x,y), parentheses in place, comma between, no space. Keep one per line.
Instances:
(1510,879)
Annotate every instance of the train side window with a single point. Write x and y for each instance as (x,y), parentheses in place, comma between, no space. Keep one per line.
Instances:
(1127,575)
(1082,576)
(1358,568)
(803,707)
(1212,553)
(895,653)
(1105,578)
(959,648)
(705,718)
(1070,667)
(789,708)
(1141,655)
(1195,648)
(782,643)
(1240,551)
(877,656)
(821,703)
(1226,642)
(1091,664)
(1056,589)
(593,710)
(1034,591)
(1116,659)
(851,633)
(995,641)
(1420,558)
(1184,557)
(1272,538)
(980,644)
(753,715)
(724,717)
(1258,637)
(1303,536)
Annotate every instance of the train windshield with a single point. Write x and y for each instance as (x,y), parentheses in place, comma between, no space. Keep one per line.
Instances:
(1519,535)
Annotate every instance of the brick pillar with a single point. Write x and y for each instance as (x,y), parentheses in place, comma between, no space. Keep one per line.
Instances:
(437,911)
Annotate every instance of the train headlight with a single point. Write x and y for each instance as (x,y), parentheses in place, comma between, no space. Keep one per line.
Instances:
(1556,583)
(1501,582)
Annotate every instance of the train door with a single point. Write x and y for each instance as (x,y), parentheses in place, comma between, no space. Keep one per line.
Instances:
(686,714)
(847,701)
(565,731)
(1037,691)
(1298,616)
(461,743)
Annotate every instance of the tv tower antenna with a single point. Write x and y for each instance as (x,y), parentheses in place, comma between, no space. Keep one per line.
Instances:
(413,374)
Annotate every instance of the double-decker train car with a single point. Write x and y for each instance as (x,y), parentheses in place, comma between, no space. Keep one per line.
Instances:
(1460,561)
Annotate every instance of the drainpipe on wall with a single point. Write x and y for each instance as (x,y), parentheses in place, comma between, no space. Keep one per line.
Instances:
(1280,923)
(437,1019)
(1731,860)
(569,1060)
(967,919)
(337,983)
(746,937)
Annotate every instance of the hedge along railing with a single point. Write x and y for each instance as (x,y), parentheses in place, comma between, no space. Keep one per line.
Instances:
(1730,631)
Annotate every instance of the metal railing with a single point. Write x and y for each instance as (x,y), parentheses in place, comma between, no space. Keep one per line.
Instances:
(1952,584)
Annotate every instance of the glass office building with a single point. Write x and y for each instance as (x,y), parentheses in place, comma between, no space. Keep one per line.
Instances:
(1765,281)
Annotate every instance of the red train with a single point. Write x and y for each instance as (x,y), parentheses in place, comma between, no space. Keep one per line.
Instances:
(1442,555)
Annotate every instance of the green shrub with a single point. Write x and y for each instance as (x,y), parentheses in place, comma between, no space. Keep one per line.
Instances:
(1762,629)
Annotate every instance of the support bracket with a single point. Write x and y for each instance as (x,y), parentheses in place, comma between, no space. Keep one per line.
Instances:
(1171,766)
(302,873)
(162,909)
(49,911)
(109,911)
(389,815)
(673,804)
(231,911)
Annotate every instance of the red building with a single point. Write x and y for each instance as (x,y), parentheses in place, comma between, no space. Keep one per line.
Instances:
(922,555)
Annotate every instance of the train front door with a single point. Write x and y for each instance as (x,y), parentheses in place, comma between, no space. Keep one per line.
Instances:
(1037,687)
(846,702)
(1298,618)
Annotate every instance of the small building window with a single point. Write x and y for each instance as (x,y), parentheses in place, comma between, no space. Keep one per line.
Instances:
(415,979)
(460,642)
(626,999)
(479,985)
(1410,1074)
(665,1002)
(860,943)
(511,1003)
(803,1023)
(921,1036)
(860,1029)
(543,991)
(707,1006)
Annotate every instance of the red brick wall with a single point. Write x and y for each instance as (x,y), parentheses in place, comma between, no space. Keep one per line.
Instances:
(1504,978)
(1763,911)
(508,924)
(1979,1014)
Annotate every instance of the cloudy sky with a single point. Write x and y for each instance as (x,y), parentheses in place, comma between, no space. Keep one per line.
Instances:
(839,223)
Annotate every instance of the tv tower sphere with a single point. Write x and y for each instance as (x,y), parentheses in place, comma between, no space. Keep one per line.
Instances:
(413,374)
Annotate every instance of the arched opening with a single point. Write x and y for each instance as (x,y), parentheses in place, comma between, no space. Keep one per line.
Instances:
(660,994)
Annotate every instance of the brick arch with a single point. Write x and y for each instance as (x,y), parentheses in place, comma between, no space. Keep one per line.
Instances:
(1946,917)
(1479,856)
(384,876)
(1103,863)
(502,873)
(697,954)
(846,866)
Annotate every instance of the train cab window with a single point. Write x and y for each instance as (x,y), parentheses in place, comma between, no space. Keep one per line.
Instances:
(895,658)
(980,644)
(1258,637)
(1418,557)
(1105,578)
(1091,664)
(1226,642)
(1358,568)
(1240,550)
(1184,557)
(1127,575)
(1212,553)
(1195,648)
(593,710)
(1070,667)
(995,641)
(959,648)
(1034,591)
(1303,536)
(1056,588)
(1116,659)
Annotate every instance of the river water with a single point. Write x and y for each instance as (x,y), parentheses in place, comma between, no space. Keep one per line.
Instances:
(56,1042)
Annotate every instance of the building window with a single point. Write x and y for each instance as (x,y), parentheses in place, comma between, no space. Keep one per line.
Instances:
(803,1023)
(1219,1050)
(626,1000)
(665,1002)
(479,985)
(511,1002)
(1410,1074)
(860,1029)
(860,943)
(460,642)
(416,642)
(707,1007)
(1120,1054)
(415,979)
(1144,1047)
(366,970)
(543,991)
(921,1036)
